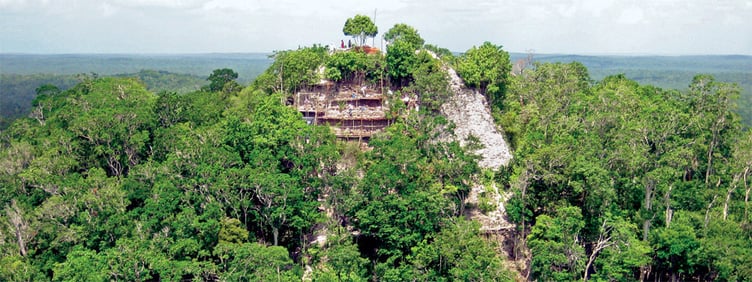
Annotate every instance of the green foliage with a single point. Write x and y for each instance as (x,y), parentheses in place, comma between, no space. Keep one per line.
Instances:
(557,256)
(611,180)
(625,155)
(110,118)
(354,67)
(626,255)
(725,252)
(676,247)
(418,73)
(406,33)
(16,268)
(343,261)
(443,53)
(430,82)
(360,27)
(460,254)
(400,62)
(486,67)
(255,262)
(223,80)
(410,186)
(293,70)
(82,265)
(231,231)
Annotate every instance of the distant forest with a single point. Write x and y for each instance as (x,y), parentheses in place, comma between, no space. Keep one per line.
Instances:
(667,72)
(22,74)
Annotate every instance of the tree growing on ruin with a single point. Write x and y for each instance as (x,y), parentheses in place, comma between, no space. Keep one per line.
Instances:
(360,28)
(404,32)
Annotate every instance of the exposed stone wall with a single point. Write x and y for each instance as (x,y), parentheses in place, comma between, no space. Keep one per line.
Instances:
(469,111)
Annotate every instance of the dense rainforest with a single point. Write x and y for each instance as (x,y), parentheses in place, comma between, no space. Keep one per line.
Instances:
(610,180)
(22,74)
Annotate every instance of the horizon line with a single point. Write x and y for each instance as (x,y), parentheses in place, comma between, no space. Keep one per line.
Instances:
(593,54)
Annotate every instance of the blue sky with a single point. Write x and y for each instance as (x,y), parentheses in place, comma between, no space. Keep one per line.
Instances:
(663,27)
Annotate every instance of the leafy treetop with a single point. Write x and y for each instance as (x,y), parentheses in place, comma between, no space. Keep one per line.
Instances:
(220,77)
(360,27)
(404,32)
(486,67)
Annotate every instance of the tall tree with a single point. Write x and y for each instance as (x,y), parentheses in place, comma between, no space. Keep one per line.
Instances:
(360,28)
(404,32)
(400,62)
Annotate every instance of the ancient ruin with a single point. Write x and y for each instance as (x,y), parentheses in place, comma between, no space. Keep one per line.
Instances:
(355,112)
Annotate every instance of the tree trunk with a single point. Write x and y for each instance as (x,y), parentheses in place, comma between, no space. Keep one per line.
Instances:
(669,211)
(649,207)
(732,188)
(604,241)
(645,270)
(707,212)
(746,197)
(710,158)
(275,234)
(726,203)
(19,225)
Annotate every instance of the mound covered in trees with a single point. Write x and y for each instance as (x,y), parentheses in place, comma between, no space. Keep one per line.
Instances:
(611,180)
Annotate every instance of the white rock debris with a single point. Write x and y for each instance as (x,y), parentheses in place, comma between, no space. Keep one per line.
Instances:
(470,113)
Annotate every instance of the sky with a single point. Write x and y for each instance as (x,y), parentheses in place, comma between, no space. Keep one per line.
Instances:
(597,27)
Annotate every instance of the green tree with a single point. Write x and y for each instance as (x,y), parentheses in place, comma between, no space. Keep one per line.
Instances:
(555,243)
(726,252)
(293,70)
(255,262)
(172,108)
(283,156)
(400,62)
(220,78)
(17,269)
(404,32)
(343,260)
(360,28)
(355,67)
(109,120)
(400,204)
(677,249)
(487,68)
(81,265)
(618,252)
(430,82)
(232,231)
(459,253)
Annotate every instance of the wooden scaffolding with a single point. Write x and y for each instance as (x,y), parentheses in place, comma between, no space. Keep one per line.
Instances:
(354,113)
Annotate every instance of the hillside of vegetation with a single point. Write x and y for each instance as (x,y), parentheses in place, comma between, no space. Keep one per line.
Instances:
(668,72)
(608,180)
(18,91)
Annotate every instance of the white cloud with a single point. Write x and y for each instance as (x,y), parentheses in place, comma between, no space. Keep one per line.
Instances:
(631,15)
(158,3)
(571,26)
